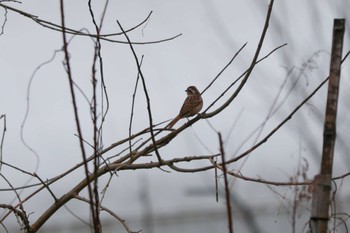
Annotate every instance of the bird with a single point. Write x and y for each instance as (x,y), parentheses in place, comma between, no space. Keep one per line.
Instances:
(191,106)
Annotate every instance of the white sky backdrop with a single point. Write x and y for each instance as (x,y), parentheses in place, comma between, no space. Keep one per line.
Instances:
(212,31)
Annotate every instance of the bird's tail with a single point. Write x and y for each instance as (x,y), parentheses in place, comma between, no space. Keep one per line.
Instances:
(173,122)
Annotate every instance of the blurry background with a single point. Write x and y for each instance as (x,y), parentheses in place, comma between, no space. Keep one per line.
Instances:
(212,32)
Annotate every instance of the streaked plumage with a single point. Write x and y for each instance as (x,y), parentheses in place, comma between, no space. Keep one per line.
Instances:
(191,106)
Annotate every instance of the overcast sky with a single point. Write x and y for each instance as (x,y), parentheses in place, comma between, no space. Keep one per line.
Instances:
(211,33)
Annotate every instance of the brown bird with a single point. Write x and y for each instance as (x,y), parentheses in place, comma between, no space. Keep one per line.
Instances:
(191,106)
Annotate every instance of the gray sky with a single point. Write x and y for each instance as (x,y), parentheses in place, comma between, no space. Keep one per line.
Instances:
(212,32)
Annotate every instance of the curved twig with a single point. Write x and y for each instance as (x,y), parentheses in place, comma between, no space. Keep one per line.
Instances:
(104,37)
(247,74)
(120,219)
(23,215)
(19,213)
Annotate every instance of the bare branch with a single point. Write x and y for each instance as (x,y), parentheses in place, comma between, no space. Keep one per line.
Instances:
(133,105)
(104,37)
(146,94)
(2,139)
(263,181)
(22,215)
(4,23)
(120,219)
(96,132)
(249,71)
(114,166)
(227,191)
(223,69)
(75,106)
(46,186)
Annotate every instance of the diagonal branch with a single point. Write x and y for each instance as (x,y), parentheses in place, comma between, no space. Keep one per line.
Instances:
(223,69)
(249,71)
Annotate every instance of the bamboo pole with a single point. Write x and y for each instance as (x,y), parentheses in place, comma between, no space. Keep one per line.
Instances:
(322,182)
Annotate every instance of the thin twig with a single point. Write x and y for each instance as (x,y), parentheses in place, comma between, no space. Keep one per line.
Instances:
(46,186)
(223,69)
(120,219)
(2,139)
(263,181)
(249,71)
(239,78)
(146,94)
(216,181)
(227,191)
(75,107)
(133,105)
(103,37)
(4,23)
(19,213)
(24,216)
(97,138)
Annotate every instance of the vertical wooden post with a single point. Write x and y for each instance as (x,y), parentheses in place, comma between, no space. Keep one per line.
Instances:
(322,183)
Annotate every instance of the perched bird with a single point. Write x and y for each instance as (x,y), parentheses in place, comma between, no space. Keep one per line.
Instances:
(191,106)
